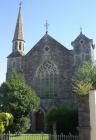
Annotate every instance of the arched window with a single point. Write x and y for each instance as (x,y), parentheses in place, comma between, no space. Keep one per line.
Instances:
(47,76)
(16,45)
(20,45)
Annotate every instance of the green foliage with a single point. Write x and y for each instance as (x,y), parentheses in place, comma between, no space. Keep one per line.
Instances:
(66,120)
(85,79)
(82,88)
(6,119)
(18,99)
(22,125)
(2,128)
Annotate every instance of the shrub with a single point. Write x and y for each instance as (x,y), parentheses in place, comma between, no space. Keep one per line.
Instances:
(66,120)
(85,79)
(6,119)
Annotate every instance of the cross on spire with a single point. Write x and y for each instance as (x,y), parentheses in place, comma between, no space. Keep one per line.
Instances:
(80,30)
(20,4)
(46,26)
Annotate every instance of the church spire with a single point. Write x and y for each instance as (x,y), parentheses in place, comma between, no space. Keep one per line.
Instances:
(18,35)
(18,39)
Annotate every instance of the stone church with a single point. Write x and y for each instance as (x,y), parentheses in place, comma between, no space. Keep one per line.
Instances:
(48,68)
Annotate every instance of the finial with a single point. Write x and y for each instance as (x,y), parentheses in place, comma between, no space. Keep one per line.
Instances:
(80,30)
(20,4)
(46,26)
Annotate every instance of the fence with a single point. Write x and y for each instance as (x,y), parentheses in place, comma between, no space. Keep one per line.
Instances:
(37,137)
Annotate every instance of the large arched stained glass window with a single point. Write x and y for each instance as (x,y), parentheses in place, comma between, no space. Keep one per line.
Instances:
(48,79)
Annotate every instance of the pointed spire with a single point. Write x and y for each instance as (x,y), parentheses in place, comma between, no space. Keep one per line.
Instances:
(18,35)
(18,39)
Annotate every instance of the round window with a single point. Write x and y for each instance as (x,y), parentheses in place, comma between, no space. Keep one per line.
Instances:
(81,42)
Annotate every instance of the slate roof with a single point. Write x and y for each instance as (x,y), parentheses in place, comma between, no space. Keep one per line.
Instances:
(81,37)
(15,54)
(18,35)
(47,39)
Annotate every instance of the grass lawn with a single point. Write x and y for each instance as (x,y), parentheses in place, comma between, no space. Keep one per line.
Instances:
(30,137)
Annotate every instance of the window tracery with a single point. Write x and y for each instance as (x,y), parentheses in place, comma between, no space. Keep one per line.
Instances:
(48,79)
(47,68)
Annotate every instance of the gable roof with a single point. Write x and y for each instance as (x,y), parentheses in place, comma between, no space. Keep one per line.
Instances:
(48,40)
(81,37)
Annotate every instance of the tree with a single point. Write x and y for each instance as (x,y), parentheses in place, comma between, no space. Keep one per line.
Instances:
(19,99)
(85,79)
(6,119)
(65,118)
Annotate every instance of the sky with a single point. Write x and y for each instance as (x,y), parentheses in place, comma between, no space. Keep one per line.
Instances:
(65,17)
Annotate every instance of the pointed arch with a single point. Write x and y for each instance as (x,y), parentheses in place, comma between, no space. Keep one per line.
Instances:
(47,67)
(47,76)
(16,45)
(39,120)
(20,46)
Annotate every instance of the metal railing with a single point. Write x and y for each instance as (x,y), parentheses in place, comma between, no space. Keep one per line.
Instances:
(37,137)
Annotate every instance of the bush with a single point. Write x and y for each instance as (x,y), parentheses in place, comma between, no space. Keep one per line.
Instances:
(6,119)
(66,120)
(85,79)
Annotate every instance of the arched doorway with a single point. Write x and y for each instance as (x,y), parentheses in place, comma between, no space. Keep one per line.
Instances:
(39,121)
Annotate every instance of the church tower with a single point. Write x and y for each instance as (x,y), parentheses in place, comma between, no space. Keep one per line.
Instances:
(83,49)
(14,60)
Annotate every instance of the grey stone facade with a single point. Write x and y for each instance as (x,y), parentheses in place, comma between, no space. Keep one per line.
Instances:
(84,118)
(48,68)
